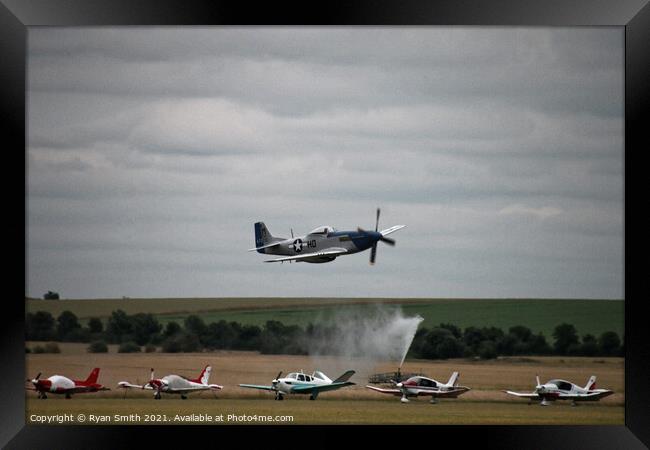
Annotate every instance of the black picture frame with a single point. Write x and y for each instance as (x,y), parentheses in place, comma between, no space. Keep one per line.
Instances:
(17,15)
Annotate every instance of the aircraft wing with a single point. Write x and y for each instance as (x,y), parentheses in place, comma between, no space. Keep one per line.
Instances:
(80,389)
(328,252)
(200,387)
(385,391)
(321,387)
(127,385)
(256,386)
(523,394)
(586,397)
(390,230)
(453,393)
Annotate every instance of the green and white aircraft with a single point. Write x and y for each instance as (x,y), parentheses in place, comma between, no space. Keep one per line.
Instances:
(323,244)
(301,383)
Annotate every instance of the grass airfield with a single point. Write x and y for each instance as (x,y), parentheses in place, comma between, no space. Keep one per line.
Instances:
(484,404)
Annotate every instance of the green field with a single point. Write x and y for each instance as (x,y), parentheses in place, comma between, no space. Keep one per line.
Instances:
(588,316)
(322,411)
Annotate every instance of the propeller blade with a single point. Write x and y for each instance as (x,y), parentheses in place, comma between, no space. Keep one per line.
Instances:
(537,379)
(388,241)
(279,375)
(373,253)
(38,376)
(377,221)
(151,378)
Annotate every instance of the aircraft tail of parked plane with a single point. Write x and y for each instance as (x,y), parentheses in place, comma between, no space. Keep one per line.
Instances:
(205,376)
(591,383)
(453,379)
(345,377)
(92,378)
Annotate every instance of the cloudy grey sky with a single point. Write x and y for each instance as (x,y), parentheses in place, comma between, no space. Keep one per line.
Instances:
(152,151)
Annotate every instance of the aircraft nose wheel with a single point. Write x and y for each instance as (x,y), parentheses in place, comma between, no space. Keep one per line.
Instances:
(279,396)
(433,401)
(184,397)
(404,400)
(157,396)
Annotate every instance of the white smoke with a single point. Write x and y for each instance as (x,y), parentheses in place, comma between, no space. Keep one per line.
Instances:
(367,335)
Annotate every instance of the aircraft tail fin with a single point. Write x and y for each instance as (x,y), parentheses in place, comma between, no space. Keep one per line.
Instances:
(205,375)
(92,378)
(453,379)
(591,384)
(262,236)
(345,377)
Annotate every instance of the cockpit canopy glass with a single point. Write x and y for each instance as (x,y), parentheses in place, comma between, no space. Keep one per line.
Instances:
(322,230)
(299,377)
(426,382)
(561,384)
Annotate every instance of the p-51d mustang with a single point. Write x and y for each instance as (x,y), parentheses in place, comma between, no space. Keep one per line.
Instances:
(58,384)
(563,390)
(324,244)
(423,386)
(175,384)
(301,383)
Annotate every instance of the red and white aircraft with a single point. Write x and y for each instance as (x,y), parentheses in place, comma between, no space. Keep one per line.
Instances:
(175,384)
(58,384)
(423,386)
(564,390)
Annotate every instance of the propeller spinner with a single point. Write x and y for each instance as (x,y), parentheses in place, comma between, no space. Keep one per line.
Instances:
(373,250)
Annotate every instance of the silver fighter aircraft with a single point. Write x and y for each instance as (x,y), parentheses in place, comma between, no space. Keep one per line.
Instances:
(324,244)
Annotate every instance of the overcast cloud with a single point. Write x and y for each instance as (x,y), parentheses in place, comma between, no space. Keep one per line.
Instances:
(152,151)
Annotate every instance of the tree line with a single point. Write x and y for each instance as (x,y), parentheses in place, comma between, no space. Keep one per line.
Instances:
(445,341)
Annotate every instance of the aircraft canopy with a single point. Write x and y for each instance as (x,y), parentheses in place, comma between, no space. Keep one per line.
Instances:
(299,377)
(561,384)
(322,230)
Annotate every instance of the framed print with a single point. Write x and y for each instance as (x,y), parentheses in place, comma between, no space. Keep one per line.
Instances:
(407,215)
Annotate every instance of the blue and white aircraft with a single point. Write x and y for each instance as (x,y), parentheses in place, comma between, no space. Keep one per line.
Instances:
(302,383)
(324,244)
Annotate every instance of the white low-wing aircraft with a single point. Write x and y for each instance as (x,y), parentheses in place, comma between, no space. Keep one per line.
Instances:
(301,383)
(58,384)
(423,386)
(563,390)
(175,384)
(324,244)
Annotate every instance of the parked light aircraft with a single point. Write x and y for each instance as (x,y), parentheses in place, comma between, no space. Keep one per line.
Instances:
(175,384)
(423,386)
(301,383)
(323,244)
(564,390)
(58,384)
